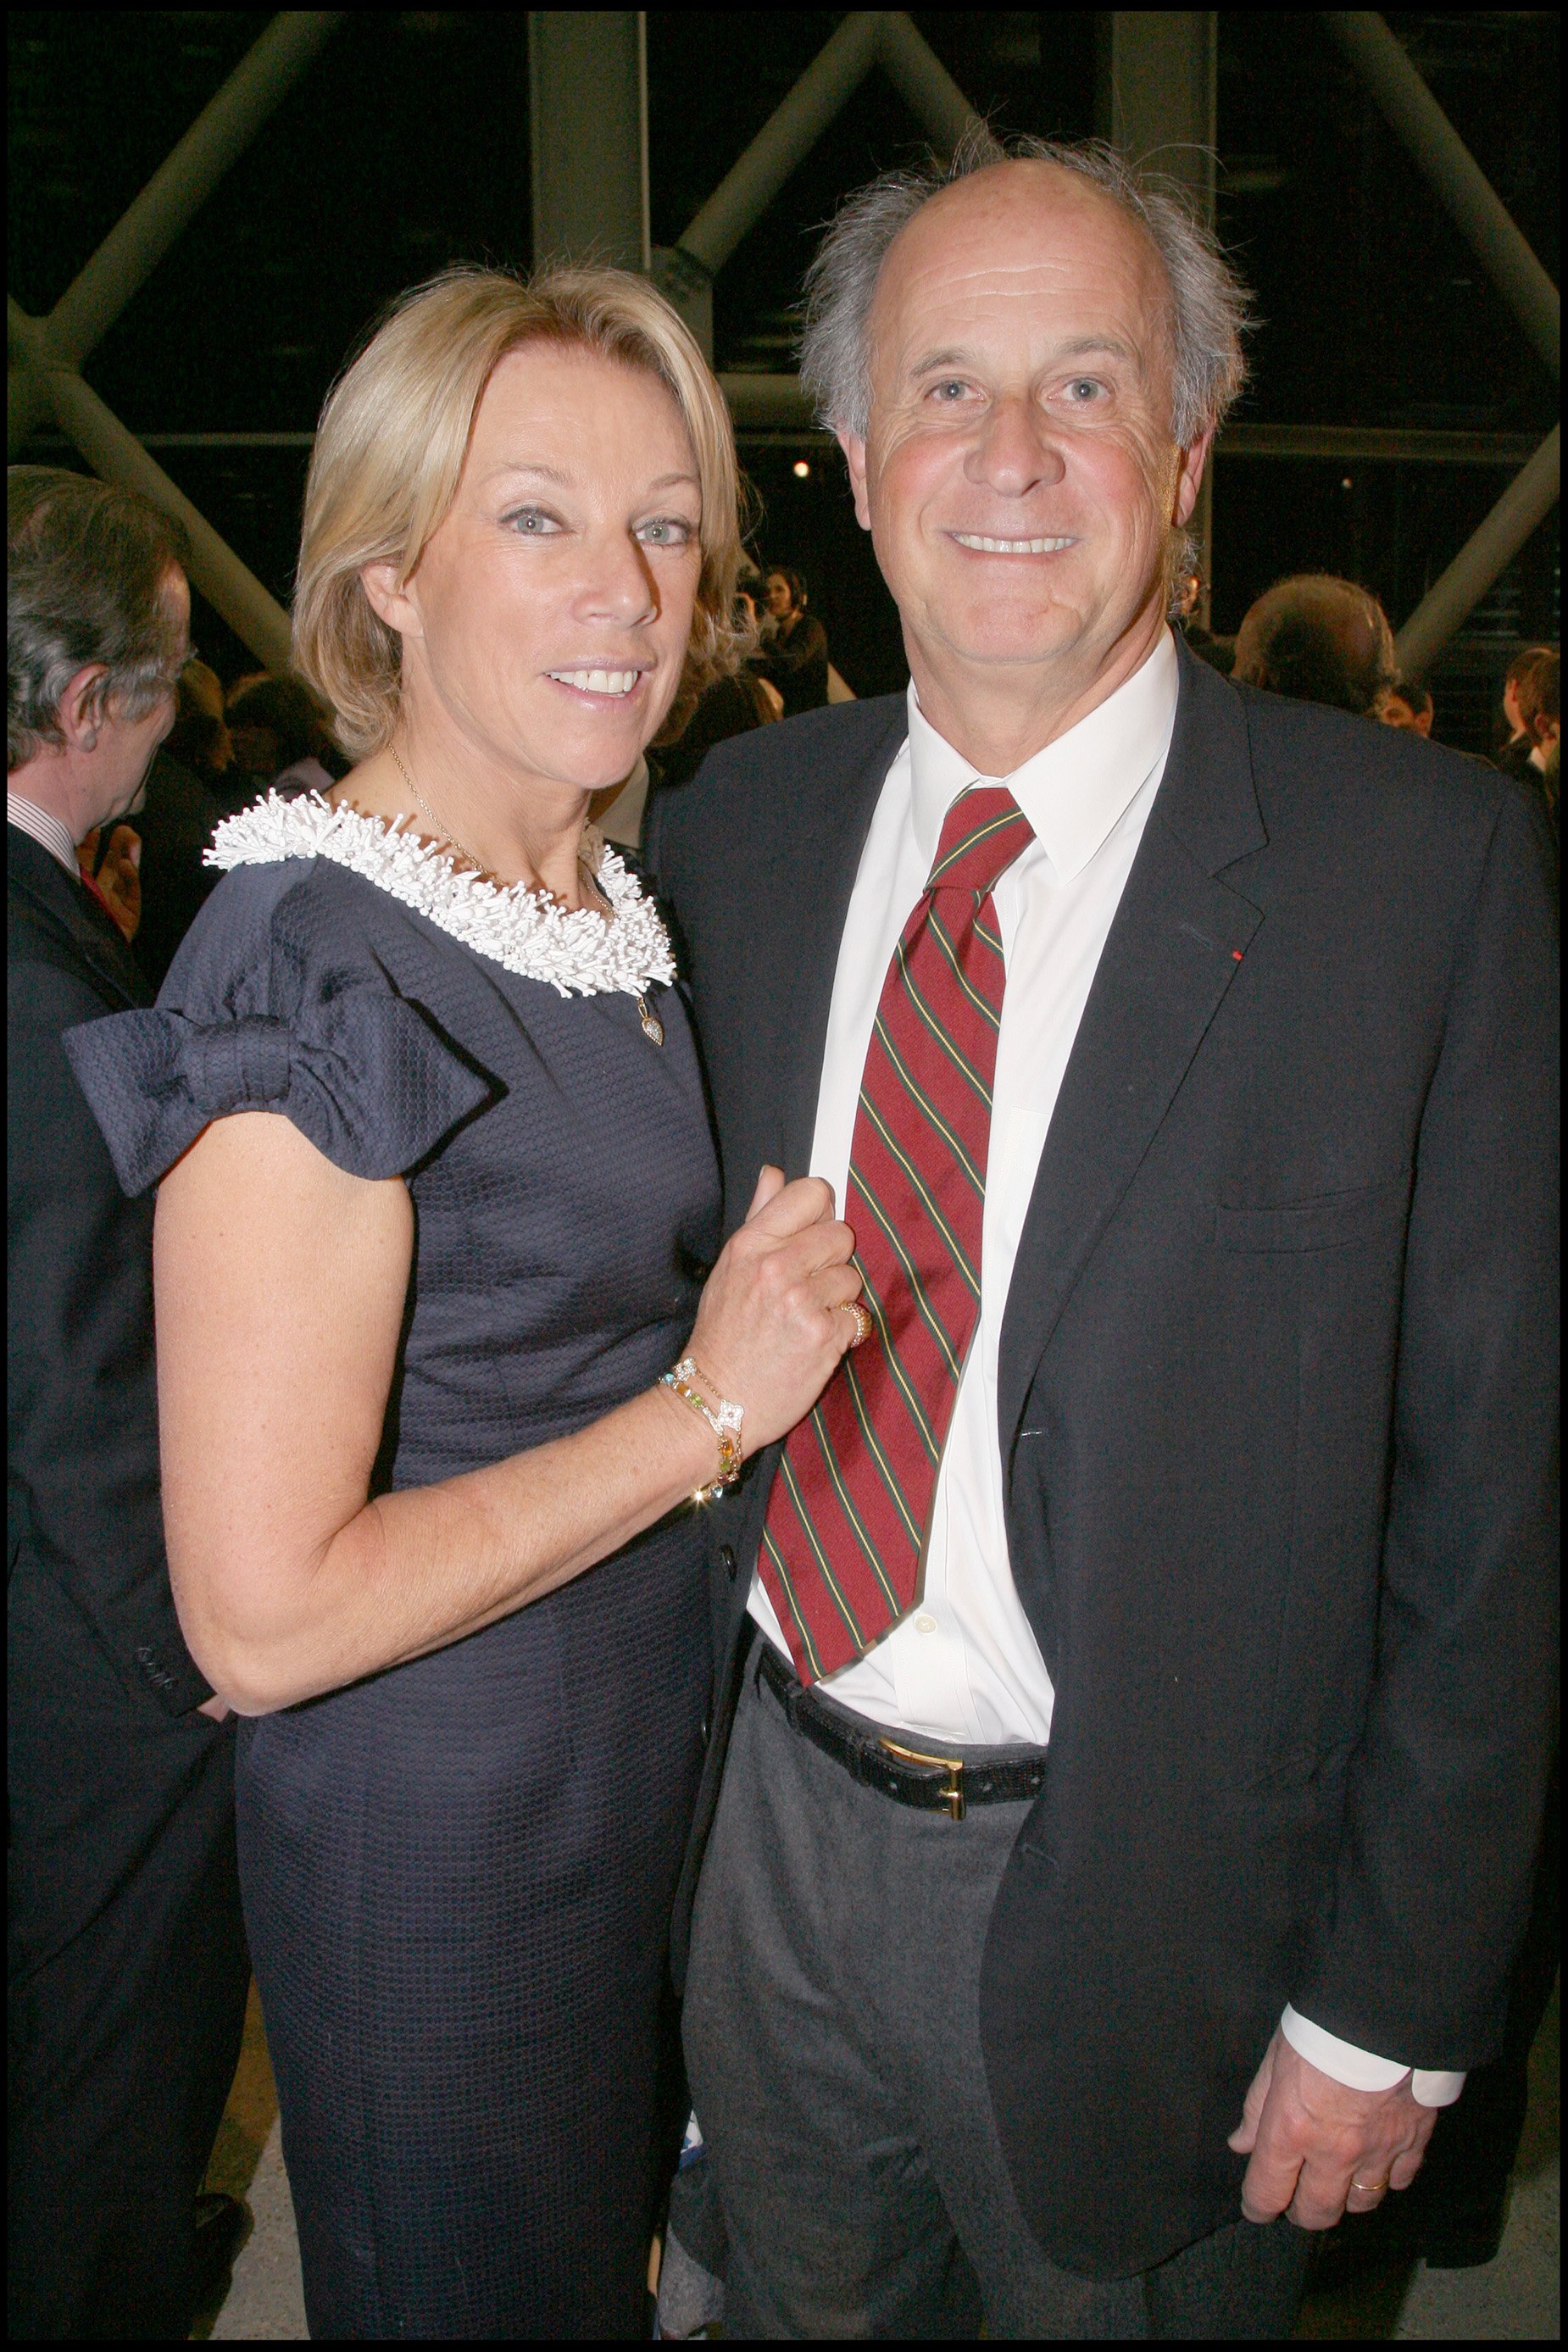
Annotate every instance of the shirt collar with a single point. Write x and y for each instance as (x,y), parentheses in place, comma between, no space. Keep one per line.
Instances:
(1077,789)
(44,827)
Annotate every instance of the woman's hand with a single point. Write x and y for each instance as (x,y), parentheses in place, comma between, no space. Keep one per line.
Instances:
(281,1287)
(772,1327)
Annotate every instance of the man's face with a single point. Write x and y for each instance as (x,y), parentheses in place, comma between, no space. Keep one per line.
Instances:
(1018,478)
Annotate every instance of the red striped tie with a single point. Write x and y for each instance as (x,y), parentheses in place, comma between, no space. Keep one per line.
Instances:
(849,1508)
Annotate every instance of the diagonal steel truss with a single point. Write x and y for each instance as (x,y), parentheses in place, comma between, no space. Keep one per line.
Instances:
(46,355)
(1483,220)
(43,377)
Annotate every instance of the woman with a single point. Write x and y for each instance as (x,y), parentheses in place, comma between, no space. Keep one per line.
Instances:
(796,661)
(438,1201)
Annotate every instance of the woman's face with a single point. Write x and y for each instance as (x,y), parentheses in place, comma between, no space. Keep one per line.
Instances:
(548,619)
(780,601)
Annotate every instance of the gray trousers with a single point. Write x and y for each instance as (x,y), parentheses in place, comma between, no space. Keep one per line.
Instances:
(833,2045)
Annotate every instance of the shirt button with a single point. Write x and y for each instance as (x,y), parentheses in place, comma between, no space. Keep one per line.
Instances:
(925,1625)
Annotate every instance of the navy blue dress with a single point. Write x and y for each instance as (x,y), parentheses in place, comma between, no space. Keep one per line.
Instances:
(457,1873)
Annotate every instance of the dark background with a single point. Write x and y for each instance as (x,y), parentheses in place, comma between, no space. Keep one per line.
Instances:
(405,146)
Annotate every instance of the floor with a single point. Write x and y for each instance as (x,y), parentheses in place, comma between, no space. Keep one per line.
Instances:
(1515,2299)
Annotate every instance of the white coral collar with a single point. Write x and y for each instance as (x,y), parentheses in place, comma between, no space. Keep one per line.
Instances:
(525,930)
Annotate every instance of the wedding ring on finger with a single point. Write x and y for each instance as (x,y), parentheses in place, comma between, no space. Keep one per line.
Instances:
(1370,2188)
(864,1327)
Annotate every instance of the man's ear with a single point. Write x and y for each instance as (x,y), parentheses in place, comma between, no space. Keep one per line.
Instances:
(1190,477)
(79,710)
(854,450)
(389,598)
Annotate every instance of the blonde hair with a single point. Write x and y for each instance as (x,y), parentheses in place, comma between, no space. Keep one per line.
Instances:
(390,450)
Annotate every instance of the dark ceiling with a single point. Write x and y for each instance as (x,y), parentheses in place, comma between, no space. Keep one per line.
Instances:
(405,145)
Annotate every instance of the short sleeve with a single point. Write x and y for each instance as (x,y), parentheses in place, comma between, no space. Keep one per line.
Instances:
(270,1007)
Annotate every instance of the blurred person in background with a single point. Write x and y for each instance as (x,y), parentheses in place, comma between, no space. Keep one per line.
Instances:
(795,649)
(1218,652)
(1531,705)
(731,706)
(1407,705)
(1316,638)
(199,738)
(109,859)
(1552,778)
(186,799)
(281,740)
(127,1968)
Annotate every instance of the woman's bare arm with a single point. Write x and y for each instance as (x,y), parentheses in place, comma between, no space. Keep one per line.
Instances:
(281,1283)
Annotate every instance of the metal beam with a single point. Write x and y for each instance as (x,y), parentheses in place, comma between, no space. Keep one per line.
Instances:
(867,37)
(587,102)
(1162,94)
(178,188)
(1472,203)
(922,81)
(785,141)
(1377,444)
(1486,555)
(116,454)
(1158,105)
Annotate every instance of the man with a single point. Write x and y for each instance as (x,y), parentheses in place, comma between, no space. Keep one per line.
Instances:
(1409,706)
(1133,1734)
(1186,600)
(1532,706)
(126,1967)
(1318,639)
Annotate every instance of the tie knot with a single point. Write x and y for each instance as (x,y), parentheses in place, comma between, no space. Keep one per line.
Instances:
(985,830)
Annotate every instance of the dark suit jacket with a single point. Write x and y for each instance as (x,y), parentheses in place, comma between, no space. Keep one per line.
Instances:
(1276,1404)
(85,1527)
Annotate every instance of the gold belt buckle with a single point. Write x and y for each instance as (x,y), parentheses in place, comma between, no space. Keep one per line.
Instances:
(952,1795)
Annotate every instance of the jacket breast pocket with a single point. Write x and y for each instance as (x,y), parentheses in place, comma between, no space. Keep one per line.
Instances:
(1329,1220)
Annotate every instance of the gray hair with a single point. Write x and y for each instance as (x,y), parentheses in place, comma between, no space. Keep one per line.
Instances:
(1207,301)
(87,569)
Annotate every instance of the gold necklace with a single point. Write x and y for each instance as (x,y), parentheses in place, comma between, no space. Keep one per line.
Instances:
(445,831)
(652,1025)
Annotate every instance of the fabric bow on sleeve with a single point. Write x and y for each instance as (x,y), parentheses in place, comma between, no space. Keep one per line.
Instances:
(363,1075)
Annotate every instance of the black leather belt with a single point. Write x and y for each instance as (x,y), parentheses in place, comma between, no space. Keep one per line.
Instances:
(932,1784)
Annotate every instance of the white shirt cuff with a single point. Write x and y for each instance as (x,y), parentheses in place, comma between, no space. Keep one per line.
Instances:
(1359,2070)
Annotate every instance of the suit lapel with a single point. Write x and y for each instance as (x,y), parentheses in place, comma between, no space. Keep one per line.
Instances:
(1172,953)
(812,884)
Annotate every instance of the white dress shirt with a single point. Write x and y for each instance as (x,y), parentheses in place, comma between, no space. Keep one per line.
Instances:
(963,1665)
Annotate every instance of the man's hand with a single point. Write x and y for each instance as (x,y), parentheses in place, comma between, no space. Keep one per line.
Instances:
(1319,2149)
(214,1708)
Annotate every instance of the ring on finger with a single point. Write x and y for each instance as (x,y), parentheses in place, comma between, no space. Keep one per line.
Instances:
(1370,2188)
(864,1327)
